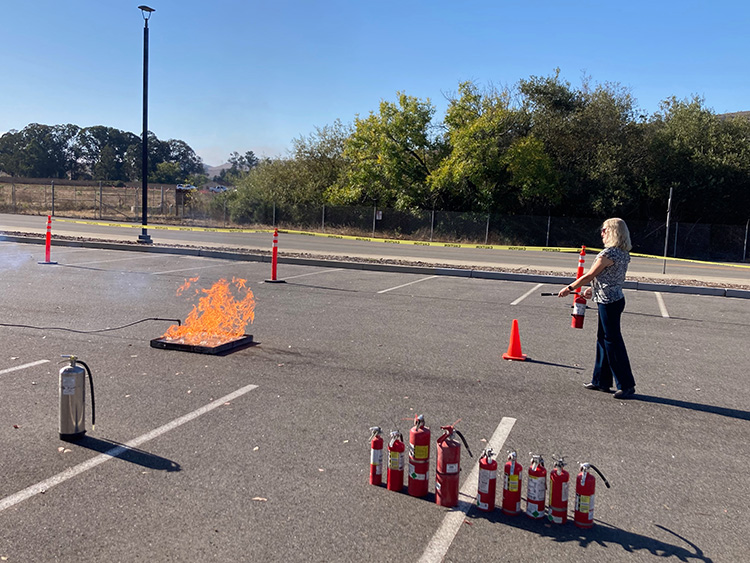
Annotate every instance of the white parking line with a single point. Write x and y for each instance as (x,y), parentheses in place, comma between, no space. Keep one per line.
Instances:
(43,486)
(187,269)
(116,260)
(662,306)
(29,365)
(405,284)
(525,295)
(441,541)
(312,273)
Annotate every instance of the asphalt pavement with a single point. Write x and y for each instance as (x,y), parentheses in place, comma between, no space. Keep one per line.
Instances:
(262,453)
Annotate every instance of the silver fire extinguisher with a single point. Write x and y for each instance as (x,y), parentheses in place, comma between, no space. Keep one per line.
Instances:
(73,399)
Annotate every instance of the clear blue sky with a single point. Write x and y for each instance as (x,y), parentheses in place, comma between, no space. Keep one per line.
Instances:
(240,75)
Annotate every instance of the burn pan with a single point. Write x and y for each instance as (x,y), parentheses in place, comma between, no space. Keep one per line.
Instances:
(225,348)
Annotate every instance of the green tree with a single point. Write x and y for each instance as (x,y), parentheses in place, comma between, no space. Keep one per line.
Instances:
(480,127)
(389,156)
(167,173)
(705,158)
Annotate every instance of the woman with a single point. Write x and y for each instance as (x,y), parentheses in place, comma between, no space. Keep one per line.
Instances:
(607,276)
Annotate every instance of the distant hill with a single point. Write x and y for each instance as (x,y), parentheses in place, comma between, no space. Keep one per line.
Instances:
(745,114)
(212,171)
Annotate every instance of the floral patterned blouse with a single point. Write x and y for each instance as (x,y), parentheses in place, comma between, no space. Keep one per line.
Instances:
(607,286)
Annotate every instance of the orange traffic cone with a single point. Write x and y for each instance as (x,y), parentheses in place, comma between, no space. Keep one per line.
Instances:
(514,348)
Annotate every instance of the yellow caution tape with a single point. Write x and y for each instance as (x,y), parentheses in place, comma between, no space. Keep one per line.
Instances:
(590,250)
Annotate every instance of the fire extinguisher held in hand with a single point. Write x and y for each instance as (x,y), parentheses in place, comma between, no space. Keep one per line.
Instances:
(448,466)
(512,480)
(396,449)
(487,486)
(376,456)
(557,511)
(585,489)
(419,458)
(579,310)
(73,400)
(536,488)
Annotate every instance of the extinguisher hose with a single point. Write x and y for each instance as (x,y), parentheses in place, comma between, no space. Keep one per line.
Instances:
(464,441)
(93,403)
(592,466)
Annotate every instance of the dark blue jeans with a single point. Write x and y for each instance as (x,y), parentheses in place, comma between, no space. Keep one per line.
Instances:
(611,356)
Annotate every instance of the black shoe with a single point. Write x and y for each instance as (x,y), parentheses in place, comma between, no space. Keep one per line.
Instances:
(594,387)
(624,393)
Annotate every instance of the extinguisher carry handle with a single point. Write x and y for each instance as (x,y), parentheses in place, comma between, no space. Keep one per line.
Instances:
(464,441)
(592,466)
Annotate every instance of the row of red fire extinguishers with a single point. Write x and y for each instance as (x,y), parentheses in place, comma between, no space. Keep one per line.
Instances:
(540,500)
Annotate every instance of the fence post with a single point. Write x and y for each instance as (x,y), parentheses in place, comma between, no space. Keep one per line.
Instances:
(101,193)
(744,246)
(161,204)
(323,220)
(666,236)
(432,223)
(549,220)
(487,230)
(13,194)
(274,214)
(374,217)
(53,198)
(674,247)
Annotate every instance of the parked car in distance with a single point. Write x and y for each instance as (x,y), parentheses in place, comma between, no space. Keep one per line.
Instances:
(186,187)
(218,189)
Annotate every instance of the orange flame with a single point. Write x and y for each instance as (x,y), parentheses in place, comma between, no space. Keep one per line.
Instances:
(218,318)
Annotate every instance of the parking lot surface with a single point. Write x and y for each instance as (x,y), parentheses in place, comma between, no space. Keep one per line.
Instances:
(262,454)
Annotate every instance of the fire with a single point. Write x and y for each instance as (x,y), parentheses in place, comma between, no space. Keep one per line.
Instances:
(219,316)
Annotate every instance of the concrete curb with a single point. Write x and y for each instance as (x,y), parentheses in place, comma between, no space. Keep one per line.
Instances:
(379,267)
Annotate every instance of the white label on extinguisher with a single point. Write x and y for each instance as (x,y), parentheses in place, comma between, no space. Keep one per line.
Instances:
(564,492)
(451,468)
(396,461)
(68,385)
(579,309)
(485,476)
(417,476)
(536,488)
(376,459)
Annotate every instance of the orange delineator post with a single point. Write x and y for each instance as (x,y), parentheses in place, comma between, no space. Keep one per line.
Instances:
(275,254)
(581,260)
(48,242)
(274,258)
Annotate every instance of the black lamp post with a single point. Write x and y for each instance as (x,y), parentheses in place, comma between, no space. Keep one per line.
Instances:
(144,236)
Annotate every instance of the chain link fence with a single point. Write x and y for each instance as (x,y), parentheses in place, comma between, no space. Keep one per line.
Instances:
(167,204)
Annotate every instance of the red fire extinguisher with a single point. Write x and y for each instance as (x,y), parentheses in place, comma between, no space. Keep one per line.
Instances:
(536,488)
(376,456)
(419,458)
(579,310)
(512,480)
(557,511)
(396,449)
(585,489)
(487,481)
(448,466)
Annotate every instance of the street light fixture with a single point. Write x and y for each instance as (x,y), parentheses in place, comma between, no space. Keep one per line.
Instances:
(144,236)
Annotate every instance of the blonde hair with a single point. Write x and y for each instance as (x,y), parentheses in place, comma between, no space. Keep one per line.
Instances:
(617,234)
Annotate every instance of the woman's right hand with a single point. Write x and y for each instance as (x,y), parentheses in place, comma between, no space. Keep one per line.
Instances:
(588,293)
